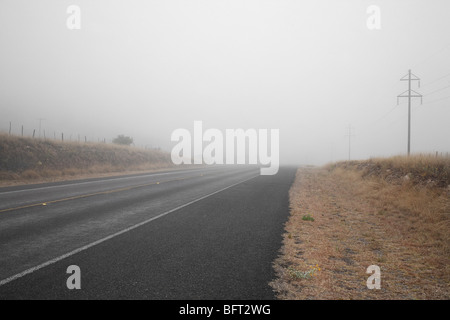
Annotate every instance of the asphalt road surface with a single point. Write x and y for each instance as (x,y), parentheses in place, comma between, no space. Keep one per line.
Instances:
(204,233)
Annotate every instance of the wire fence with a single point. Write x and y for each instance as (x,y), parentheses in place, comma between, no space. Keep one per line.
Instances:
(60,136)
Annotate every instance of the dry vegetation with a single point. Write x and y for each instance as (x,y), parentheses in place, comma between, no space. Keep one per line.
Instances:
(25,160)
(394,213)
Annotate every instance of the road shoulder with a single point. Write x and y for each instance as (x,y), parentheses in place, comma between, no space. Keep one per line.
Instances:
(355,222)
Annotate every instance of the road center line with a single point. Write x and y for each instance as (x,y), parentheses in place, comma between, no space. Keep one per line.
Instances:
(101,180)
(44,203)
(83,248)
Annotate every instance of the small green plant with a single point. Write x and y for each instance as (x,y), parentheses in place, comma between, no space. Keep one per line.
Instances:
(308,217)
(297,274)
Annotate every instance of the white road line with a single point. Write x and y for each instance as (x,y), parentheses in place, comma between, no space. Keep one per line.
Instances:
(98,181)
(83,248)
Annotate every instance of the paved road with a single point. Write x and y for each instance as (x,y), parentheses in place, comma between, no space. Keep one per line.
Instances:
(205,233)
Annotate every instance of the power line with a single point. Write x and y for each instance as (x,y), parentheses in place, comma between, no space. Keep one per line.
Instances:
(427,94)
(425,103)
(432,55)
(387,113)
(437,100)
(436,80)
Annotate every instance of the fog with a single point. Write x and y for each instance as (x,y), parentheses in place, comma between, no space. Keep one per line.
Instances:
(308,68)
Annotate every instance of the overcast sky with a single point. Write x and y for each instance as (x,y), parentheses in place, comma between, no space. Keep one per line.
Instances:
(308,68)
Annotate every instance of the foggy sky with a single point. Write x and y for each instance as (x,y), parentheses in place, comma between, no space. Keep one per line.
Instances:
(307,68)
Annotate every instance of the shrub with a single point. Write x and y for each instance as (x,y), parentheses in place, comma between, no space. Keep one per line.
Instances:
(123,140)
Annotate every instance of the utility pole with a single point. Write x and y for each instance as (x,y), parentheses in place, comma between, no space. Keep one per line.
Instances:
(350,135)
(40,120)
(410,94)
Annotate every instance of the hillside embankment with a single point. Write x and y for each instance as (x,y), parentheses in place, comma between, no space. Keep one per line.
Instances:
(27,160)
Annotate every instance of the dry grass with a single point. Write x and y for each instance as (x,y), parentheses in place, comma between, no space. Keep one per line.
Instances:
(364,216)
(423,169)
(24,160)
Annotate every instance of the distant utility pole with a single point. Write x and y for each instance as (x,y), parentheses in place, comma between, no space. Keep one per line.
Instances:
(350,135)
(40,120)
(410,94)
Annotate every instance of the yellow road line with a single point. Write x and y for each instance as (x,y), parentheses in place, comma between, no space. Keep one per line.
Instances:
(95,194)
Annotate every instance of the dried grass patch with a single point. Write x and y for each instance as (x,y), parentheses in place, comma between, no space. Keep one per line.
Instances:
(361,221)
